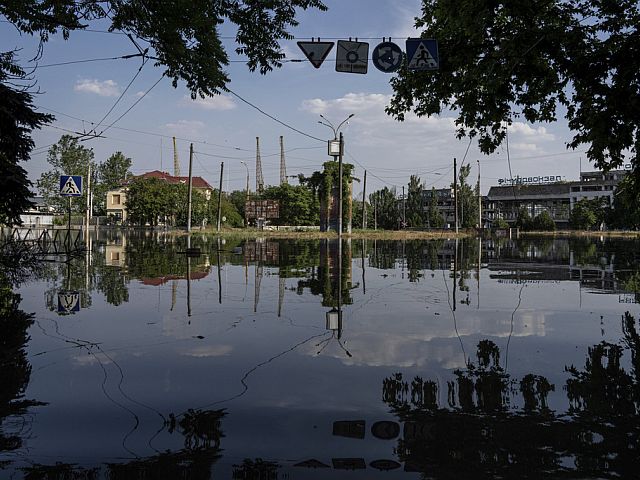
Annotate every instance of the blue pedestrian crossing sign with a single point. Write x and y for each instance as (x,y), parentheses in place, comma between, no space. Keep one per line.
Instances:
(68,302)
(422,54)
(70,185)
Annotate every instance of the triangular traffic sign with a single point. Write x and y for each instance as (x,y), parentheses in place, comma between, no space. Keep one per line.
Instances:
(70,187)
(316,52)
(422,59)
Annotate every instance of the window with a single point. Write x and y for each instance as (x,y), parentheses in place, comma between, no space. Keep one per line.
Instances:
(115,199)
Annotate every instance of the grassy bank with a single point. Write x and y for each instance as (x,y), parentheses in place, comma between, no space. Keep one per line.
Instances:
(356,234)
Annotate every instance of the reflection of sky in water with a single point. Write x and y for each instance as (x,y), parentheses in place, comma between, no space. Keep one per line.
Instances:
(281,395)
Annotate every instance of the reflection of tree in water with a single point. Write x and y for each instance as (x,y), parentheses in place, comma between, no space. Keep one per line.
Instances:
(202,432)
(325,282)
(15,369)
(481,434)
(257,469)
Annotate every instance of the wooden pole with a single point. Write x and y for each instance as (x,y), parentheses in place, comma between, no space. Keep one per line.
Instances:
(364,202)
(220,196)
(190,190)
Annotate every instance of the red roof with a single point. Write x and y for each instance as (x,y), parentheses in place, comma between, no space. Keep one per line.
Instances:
(197,182)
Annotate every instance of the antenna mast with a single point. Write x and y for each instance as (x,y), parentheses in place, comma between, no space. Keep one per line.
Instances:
(176,163)
(283,165)
(259,178)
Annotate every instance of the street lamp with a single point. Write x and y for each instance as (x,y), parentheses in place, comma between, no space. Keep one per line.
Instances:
(336,149)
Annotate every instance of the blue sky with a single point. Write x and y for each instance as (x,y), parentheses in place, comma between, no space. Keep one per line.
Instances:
(296,94)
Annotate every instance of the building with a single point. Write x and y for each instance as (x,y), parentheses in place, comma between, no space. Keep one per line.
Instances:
(557,198)
(116,199)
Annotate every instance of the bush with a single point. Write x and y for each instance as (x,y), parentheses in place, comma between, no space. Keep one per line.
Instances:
(543,222)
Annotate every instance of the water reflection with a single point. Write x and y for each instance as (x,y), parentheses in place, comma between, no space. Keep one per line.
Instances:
(487,371)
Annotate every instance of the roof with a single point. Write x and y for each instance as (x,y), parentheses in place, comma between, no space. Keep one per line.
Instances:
(197,182)
(550,189)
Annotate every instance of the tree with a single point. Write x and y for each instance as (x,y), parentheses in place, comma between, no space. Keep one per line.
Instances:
(67,157)
(523,220)
(188,45)
(434,217)
(467,199)
(543,222)
(17,121)
(503,60)
(415,214)
(111,174)
(148,201)
(387,208)
(298,206)
(626,204)
(587,214)
(232,217)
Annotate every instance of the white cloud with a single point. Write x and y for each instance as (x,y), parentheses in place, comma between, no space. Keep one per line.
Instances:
(527,130)
(209,351)
(217,102)
(105,88)
(185,128)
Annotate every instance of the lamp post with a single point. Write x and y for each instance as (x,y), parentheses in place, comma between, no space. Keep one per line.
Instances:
(336,149)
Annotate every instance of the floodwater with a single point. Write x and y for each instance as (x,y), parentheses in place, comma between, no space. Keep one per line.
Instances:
(279,359)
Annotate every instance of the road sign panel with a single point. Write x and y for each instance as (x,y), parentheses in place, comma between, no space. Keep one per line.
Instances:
(352,57)
(387,57)
(68,302)
(70,185)
(316,52)
(422,54)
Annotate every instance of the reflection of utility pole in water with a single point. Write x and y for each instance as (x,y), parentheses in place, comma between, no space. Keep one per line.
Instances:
(174,293)
(281,285)
(364,248)
(219,274)
(188,276)
(455,272)
(479,263)
(258,280)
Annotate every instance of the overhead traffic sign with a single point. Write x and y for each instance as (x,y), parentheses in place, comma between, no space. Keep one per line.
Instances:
(387,57)
(68,302)
(316,52)
(422,54)
(70,185)
(352,57)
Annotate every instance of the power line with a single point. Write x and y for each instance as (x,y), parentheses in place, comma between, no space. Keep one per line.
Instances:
(274,118)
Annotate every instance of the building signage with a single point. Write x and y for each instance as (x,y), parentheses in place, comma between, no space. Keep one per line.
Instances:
(518,180)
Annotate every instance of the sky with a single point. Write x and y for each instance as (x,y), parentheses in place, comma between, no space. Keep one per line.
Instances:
(224,128)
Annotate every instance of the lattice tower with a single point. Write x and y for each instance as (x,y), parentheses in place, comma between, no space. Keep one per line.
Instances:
(176,163)
(283,165)
(259,177)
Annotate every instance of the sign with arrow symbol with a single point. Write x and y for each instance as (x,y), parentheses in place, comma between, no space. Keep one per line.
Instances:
(316,52)
(387,57)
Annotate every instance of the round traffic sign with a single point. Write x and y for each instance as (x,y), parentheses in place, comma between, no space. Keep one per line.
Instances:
(387,57)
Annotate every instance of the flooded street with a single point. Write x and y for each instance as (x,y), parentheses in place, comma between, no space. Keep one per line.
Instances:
(310,359)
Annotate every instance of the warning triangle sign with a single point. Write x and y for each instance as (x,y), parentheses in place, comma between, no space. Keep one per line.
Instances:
(70,187)
(422,59)
(316,52)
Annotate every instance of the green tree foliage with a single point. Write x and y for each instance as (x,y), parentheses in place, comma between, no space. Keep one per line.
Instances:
(523,220)
(502,60)
(587,214)
(414,211)
(67,157)
(17,121)
(298,206)
(434,217)
(387,208)
(230,214)
(187,44)
(626,204)
(238,199)
(111,175)
(467,199)
(149,201)
(500,223)
(357,215)
(543,222)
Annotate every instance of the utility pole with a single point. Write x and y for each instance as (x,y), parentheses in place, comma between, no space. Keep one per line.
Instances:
(480,224)
(88,213)
(364,202)
(220,196)
(455,193)
(340,187)
(190,189)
